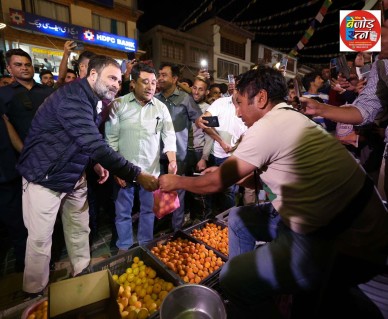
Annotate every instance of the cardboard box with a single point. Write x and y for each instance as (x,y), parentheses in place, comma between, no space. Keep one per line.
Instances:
(89,296)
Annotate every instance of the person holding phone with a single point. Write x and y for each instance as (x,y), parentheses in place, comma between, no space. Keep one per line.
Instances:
(81,63)
(225,137)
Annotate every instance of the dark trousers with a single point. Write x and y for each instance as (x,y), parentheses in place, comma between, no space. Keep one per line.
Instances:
(11,215)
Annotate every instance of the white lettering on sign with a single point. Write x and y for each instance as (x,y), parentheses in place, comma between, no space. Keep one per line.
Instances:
(126,43)
(105,38)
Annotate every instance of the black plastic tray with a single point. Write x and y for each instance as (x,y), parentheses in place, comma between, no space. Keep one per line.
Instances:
(223,217)
(208,281)
(119,263)
(202,225)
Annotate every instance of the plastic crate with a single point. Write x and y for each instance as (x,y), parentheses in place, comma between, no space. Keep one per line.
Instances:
(223,217)
(202,225)
(119,263)
(208,281)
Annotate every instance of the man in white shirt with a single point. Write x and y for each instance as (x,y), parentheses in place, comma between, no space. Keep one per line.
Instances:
(225,136)
(137,124)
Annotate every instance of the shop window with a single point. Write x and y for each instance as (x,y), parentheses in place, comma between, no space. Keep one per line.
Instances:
(108,25)
(267,55)
(226,67)
(198,54)
(172,50)
(233,48)
(50,10)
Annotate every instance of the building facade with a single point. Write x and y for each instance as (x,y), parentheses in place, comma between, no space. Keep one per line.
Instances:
(41,27)
(163,44)
(231,47)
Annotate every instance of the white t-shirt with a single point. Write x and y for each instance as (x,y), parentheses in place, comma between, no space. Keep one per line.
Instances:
(231,127)
(310,172)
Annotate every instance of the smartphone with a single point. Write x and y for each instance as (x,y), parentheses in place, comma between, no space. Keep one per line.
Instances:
(131,55)
(343,67)
(283,65)
(79,46)
(298,93)
(231,79)
(333,68)
(213,121)
(204,66)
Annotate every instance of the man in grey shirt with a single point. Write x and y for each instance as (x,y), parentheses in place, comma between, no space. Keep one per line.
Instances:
(184,111)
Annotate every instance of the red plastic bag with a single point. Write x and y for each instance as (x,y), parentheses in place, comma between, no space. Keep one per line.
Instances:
(165,203)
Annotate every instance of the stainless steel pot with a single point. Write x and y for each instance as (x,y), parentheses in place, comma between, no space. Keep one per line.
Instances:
(192,302)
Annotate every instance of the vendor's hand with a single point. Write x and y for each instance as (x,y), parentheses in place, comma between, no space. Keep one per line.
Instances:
(172,167)
(147,181)
(122,183)
(169,182)
(102,173)
(201,165)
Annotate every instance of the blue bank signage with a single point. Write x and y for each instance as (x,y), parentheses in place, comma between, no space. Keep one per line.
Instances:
(32,22)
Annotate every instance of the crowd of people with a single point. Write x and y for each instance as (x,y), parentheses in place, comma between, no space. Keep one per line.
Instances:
(143,129)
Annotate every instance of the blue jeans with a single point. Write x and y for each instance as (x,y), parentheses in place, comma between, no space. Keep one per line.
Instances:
(225,199)
(289,262)
(124,205)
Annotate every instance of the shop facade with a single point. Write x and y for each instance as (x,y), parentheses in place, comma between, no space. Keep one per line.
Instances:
(44,40)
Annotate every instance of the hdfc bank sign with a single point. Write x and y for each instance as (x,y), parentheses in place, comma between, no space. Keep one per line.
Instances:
(360,30)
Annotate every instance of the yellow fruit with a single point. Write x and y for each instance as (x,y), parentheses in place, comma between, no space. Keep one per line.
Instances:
(124,314)
(129,271)
(136,260)
(122,278)
(121,290)
(169,286)
(152,274)
(163,294)
(132,314)
(115,277)
(142,314)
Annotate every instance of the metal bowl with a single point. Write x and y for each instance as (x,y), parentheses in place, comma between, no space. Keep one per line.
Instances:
(192,302)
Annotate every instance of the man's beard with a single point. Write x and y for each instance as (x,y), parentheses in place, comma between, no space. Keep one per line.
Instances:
(103,91)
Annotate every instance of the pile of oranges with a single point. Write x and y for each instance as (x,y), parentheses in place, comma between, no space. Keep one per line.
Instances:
(214,236)
(40,312)
(141,291)
(191,261)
